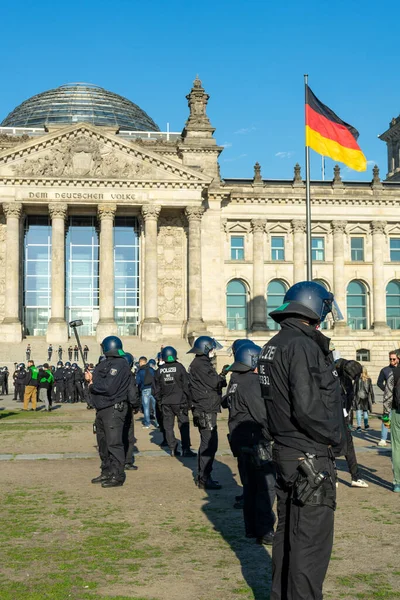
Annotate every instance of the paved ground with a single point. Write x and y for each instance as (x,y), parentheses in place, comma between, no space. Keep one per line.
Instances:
(159,537)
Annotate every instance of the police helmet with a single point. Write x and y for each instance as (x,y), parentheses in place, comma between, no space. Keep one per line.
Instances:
(129,358)
(74,365)
(152,363)
(60,363)
(110,343)
(21,366)
(169,354)
(40,367)
(307,299)
(204,344)
(67,364)
(246,358)
(238,344)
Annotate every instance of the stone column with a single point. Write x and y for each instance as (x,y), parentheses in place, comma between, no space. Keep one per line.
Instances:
(106,325)
(338,228)
(259,300)
(195,321)
(379,291)
(11,327)
(57,329)
(299,228)
(151,329)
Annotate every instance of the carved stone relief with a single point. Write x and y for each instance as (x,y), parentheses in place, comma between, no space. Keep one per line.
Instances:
(84,157)
(171,266)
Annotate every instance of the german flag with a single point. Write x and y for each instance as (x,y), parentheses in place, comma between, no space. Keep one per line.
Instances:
(327,134)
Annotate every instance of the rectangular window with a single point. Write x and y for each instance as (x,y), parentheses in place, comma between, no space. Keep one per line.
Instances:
(318,249)
(277,248)
(395,249)
(237,247)
(357,249)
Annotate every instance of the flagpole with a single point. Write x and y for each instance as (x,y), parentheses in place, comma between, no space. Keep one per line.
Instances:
(308,200)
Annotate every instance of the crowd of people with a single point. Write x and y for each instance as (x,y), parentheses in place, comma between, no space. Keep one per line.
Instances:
(291,406)
(72,351)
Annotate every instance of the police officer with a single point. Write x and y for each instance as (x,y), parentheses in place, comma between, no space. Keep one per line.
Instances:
(250,441)
(129,425)
(171,391)
(59,383)
(78,383)
(4,389)
(205,389)
(301,388)
(69,383)
(19,382)
(109,389)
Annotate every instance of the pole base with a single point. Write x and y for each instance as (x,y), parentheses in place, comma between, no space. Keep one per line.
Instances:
(11,330)
(151,330)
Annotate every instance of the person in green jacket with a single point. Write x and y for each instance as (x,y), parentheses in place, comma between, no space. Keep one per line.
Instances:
(31,385)
(46,381)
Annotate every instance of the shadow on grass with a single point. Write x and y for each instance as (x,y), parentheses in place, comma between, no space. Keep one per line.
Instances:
(255,560)
(367,473)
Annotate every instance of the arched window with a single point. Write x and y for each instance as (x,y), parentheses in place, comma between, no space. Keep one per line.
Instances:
(363,355)
(236,305)
(324,324)
(393,304)
(357,305)
(275,294)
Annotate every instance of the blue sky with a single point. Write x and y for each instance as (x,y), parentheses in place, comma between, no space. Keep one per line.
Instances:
(251,57)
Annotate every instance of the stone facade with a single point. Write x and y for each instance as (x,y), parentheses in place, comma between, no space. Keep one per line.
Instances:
(188,216)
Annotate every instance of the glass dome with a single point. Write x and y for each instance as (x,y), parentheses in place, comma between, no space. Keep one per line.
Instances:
(76,102)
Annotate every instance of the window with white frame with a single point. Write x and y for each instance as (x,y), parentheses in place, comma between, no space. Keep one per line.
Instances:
(237,247)
(318,249)
(277,247)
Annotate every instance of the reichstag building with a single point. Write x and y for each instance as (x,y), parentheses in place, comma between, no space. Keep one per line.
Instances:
(107,219)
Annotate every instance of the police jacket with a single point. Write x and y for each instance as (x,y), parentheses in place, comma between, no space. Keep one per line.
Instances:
(111,381)
(69,376)
(247,421)
(301,388)
(31,377)
(20,377)
(171,384)
(78,375)
(205,384)
(59,376)
(384,376)
(46,378)
(133,393)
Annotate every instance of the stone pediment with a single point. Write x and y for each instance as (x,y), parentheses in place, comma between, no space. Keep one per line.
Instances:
(82,151)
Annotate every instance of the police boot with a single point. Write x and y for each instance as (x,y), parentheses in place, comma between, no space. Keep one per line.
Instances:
(208,485)
(266,540)
(130,467)
(175,451)
(188,453)
(112,482)
(102,477)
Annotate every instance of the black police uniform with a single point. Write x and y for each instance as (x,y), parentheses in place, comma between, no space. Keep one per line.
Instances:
(109,396)
(301,388)
(171,390)
(129,438)
(20,384)
(205,390)
(69,385)
(250,442)
(59,385)
(4,389)
(78,384)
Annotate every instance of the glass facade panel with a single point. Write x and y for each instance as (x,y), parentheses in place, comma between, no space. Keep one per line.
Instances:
(393,304)
(126,275)
(277,248)
(82,276)
(37,275)
(237,247)
(357,305)
(236,306)
(357,249)
(275,293)
(318,249)
(395,249)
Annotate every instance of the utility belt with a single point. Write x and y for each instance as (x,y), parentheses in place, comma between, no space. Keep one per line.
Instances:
(260,454)
(313,486)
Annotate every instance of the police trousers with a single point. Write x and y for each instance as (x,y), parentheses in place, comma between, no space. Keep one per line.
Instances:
(304,536)
(170,411)
(109,431)
(129,436)
(207,450)
(58,391)
(258,496)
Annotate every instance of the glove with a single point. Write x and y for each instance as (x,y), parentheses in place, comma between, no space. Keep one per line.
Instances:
(225,370)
